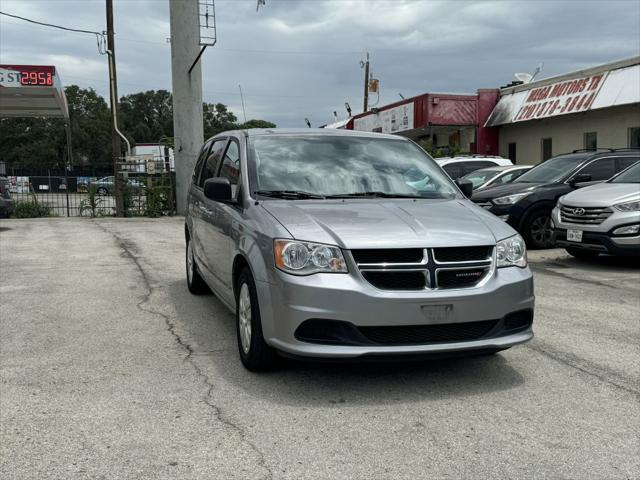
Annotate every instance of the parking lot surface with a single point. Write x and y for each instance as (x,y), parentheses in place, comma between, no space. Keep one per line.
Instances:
(111,369)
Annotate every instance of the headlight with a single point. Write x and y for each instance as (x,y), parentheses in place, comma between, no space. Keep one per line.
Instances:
(628,207)
(627,230)
(511,252)
(510,199)
(305,258)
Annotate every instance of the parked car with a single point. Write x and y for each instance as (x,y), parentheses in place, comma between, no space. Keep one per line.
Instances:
(342,244)
(526,203)
(105,185)
(494,176)
(603,218)
(7,203)
(457,167)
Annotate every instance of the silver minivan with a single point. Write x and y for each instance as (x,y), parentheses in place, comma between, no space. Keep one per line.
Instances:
(341,244)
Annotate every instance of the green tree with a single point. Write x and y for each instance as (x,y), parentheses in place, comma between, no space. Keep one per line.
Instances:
(146,117)
(257,124)
(38,144)
(217,118)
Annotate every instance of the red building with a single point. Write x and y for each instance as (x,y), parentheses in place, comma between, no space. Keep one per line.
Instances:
(448,120)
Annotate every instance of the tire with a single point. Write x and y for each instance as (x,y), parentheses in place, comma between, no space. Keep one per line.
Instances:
(255,354)
(102,191)
(195,283)
(582,254)
(537,230)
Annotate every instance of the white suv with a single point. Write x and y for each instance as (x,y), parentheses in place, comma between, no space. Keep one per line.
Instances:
(457,167)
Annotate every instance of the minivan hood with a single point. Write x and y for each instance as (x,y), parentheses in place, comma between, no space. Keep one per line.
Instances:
(603,195)
(394,223)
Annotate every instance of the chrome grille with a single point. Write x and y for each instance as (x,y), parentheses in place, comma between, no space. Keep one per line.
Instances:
(425,269)
(584,215)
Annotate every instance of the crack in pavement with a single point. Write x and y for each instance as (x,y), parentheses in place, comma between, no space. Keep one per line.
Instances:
(142,305)
(586,367)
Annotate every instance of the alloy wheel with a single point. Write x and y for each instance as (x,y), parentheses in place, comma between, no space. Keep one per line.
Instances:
(189,262)
(244,317)
(541,230)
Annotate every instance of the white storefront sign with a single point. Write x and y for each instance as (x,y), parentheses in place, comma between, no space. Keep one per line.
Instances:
(393,120)
(570,96)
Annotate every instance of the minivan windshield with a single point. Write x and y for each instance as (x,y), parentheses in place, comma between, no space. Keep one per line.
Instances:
(551,171)
(630,175)
(312,166)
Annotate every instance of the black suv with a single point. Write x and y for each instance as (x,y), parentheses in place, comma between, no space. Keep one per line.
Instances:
(526,203)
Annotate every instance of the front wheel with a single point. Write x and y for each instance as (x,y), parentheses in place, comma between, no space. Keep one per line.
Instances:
(537,230)
(255,354)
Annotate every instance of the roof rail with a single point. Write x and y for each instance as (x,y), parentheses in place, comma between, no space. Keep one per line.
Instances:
(581,150)
(626,149)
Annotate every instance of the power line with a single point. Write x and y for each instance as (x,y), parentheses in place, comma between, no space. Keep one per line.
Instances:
(50,24)
(99,35)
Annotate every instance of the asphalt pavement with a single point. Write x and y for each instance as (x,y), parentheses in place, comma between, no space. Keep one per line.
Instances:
(110,369)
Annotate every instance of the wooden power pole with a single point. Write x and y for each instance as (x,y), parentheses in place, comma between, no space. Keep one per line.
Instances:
(113,92)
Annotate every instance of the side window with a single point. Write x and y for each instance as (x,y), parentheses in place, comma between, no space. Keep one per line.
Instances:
(453,170)
(600,170)
(469,167)
(212,161)
(199,162)
(625,162)
(230,167)
(506,178)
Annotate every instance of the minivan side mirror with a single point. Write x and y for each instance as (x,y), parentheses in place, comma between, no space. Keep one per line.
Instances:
(218,189)
(466,186)
(580,178)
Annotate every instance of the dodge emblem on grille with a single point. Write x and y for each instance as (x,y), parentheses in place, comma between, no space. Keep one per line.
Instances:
(579,211)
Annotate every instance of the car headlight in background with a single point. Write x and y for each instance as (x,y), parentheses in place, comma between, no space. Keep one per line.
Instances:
(510,199)
(305,258)
(511,252)
(628,207)
(627,230)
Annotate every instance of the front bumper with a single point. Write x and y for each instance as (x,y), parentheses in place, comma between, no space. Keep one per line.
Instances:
(289,300)
(599,238)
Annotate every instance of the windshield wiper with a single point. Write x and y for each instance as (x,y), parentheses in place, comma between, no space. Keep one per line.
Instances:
(373,194)
(288,194)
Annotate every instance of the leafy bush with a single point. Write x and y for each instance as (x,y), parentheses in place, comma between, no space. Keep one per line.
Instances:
(92,203)
(32,210)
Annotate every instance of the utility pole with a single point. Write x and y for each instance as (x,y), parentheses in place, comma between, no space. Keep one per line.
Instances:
(113,94)
(366,83)
(186,75)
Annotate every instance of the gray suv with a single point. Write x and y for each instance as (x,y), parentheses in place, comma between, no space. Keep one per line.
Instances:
(342,244)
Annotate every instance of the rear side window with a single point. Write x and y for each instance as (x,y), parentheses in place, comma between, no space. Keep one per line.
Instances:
(625,162)
(200,161)
(600,170)
(213,160)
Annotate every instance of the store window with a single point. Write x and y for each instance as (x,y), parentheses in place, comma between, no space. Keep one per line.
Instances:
(634,137)
(591,141)
(547,148)
(512,152)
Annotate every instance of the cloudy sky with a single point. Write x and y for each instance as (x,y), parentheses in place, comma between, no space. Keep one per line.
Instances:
(300,58)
